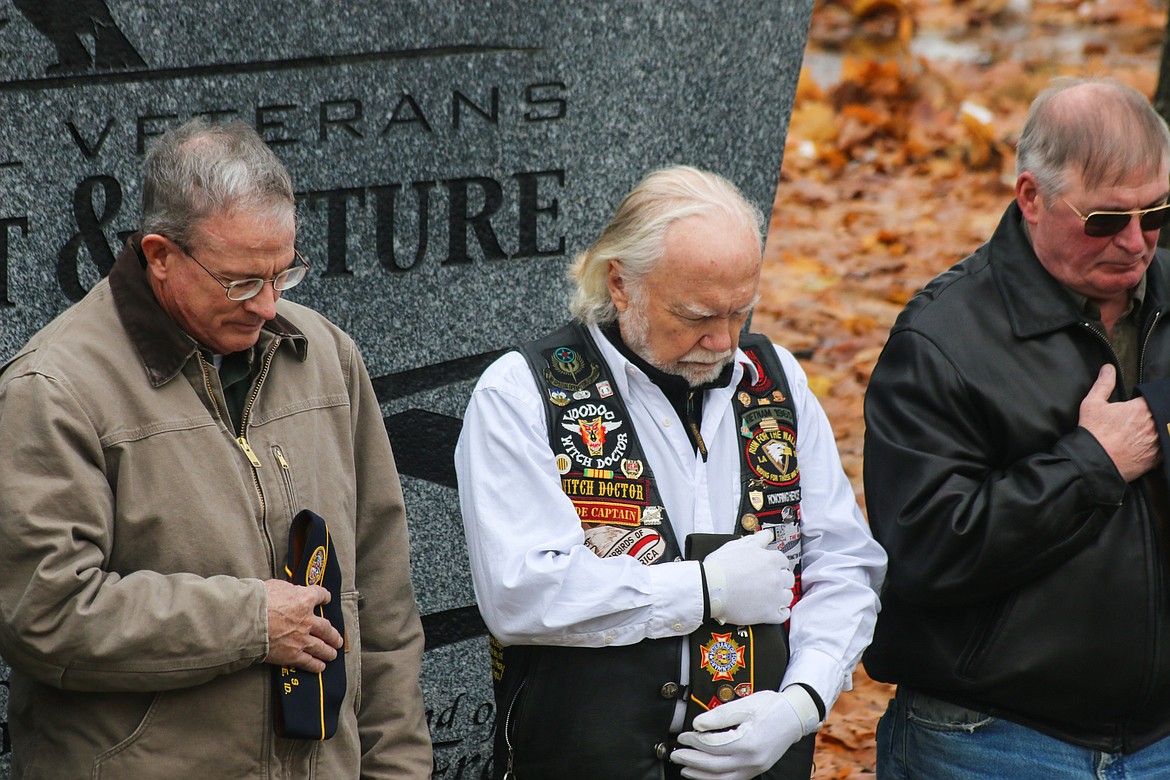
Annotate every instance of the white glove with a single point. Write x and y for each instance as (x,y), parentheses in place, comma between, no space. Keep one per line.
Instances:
(747,583)
(745,737)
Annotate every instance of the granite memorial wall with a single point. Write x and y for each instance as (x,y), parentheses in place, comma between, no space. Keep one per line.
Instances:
(449,159)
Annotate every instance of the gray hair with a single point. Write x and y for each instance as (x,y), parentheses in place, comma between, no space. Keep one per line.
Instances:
(1107,131)
(199,169)
(635,235)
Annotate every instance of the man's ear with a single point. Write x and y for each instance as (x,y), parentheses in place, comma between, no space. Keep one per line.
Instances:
(1028,196)
(156,249)
(618,290)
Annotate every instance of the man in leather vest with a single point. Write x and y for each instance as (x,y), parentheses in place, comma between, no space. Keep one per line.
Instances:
(1012,470)
(600,464)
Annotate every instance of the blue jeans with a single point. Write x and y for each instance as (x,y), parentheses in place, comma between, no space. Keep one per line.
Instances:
(923,738)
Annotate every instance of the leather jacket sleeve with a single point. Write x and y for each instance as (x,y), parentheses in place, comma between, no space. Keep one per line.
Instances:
(964,519)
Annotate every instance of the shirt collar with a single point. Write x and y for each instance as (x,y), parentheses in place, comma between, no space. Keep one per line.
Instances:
(1089,309)
(162,346)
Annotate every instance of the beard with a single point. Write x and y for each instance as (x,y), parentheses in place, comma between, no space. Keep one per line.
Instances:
(697,367)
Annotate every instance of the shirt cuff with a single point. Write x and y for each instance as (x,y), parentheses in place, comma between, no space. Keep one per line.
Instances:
(677,595)
(819,671)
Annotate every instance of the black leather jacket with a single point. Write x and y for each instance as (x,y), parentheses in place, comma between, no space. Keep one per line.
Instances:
(1026,578)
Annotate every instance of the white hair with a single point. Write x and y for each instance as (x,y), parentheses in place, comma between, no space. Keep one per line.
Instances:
(634,238)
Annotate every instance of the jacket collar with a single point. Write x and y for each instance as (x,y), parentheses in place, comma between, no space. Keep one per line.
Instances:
(162,346)
(1036,302)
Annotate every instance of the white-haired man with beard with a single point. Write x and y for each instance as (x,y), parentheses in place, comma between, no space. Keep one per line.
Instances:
(668,555)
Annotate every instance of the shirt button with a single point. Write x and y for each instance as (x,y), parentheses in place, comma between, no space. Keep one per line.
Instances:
(666,423)
(609,640)
(678,626)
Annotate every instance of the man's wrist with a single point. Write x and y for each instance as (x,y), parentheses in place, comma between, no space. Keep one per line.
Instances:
(706,593)
(810,709)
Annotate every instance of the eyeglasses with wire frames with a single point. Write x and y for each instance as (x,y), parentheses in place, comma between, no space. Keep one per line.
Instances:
(243,289)
(1100,224)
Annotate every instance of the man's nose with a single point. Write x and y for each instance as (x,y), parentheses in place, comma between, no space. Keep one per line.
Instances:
(1132,238)
(263,303)
(721,335)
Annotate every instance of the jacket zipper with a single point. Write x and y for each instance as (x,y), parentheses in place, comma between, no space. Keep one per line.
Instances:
(286,474)
(207,385)
(1152,526)
(1104,338)
(1146,343)
(242,440)
(1156,571)
(508,773)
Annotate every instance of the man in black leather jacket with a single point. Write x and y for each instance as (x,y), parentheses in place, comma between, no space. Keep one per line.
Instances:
(1013,471)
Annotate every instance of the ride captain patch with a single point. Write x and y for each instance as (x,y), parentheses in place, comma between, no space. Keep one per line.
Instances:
(307,704)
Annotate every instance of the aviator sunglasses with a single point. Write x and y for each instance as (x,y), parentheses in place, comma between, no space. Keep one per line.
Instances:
(1100,224)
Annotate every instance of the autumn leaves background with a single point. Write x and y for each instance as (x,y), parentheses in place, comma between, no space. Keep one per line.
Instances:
(899,160)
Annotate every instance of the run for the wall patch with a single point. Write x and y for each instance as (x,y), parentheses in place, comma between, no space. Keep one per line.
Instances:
(771,455)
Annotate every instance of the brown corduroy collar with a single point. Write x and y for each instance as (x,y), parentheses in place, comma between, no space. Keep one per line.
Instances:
(162,345)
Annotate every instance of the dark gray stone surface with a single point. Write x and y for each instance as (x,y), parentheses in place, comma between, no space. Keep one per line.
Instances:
(450,158)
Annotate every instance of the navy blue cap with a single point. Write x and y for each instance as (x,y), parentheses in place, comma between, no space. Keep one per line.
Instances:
(307,704)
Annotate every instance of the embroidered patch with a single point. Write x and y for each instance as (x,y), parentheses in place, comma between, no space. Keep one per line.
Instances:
(608,512)
(593,426)
(316,568)
(722,657)
(771,455)
(569,370)
(767,417)
(785,497)
(587,486)
(643,544)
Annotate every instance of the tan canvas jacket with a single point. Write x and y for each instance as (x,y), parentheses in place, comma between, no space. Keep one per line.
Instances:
(136,531)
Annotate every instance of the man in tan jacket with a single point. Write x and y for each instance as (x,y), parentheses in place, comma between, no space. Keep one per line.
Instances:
(156,441)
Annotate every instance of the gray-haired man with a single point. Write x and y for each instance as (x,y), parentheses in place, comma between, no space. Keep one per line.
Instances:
(593,460)
(156,441)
